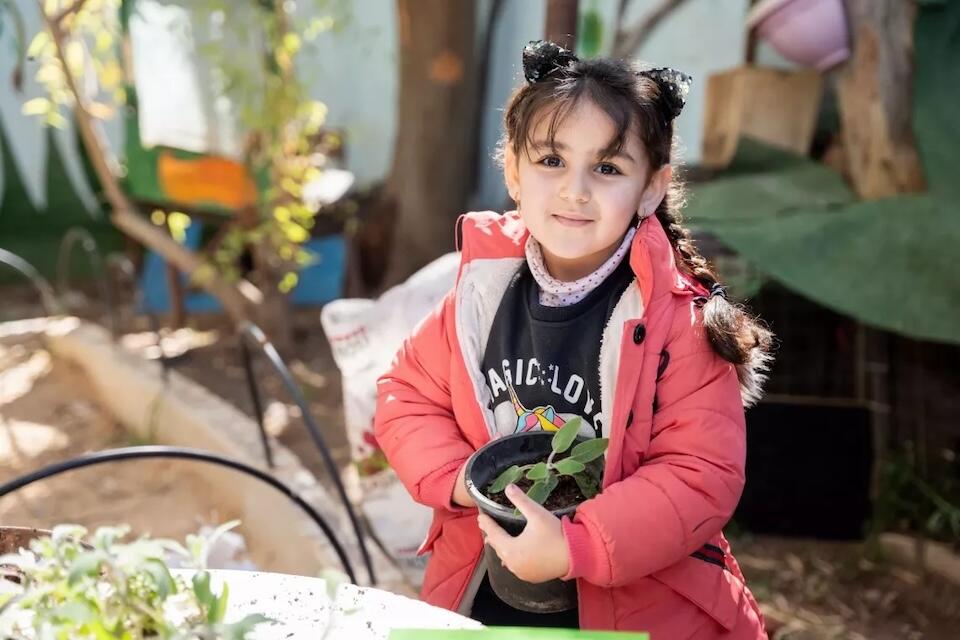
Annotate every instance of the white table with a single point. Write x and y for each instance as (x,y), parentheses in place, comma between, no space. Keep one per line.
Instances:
(304,609)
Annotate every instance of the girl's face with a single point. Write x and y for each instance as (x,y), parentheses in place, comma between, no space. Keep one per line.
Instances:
(575,202)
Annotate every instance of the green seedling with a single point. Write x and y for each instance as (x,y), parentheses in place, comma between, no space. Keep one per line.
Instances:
(546,475)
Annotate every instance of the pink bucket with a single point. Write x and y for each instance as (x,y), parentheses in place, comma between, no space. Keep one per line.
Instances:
(811,33)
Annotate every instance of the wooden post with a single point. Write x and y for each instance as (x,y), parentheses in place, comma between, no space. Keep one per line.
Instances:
(561,22)
(875,91)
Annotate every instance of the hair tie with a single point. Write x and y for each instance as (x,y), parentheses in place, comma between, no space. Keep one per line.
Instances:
(718,290)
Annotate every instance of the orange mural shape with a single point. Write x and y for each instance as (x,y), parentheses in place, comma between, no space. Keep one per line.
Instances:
(207,180)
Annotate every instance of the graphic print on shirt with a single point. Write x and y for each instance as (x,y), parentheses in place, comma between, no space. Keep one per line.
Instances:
(544,417)
(529,397)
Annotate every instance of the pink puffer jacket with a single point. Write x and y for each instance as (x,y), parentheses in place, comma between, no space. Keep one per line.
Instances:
(647,553)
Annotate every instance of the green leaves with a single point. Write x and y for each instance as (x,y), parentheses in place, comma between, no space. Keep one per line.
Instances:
(161,576)
(588,485)
(542,489)
(240,630)
(590,450)
(508,477)
(214,605)
(546,475)
(201,588)
(569,466)
(538,472)
(219,608)
(563,438)
(115,591)
(85,565)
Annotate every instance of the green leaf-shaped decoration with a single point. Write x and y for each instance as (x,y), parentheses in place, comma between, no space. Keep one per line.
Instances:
(590,450)
(569,466)
(590,34)
(538,472)
(563,438)
(509,476)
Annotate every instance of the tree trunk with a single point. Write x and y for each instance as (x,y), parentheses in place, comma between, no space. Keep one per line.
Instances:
(875,90)
(561,23)
(430,178)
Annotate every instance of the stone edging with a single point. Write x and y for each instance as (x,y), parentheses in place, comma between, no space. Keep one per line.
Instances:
(183,413)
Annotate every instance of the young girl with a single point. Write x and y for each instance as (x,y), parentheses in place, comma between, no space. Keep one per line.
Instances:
(589,300)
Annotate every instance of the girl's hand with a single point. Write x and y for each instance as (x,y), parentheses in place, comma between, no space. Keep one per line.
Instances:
(460,495)
(539,553)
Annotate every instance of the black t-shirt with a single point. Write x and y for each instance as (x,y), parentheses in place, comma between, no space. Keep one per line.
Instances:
(542,366)
(541,363)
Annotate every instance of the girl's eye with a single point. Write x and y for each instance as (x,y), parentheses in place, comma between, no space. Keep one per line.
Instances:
(608,169)
(551,161)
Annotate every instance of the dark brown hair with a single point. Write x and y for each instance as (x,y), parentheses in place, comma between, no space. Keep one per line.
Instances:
(634,104)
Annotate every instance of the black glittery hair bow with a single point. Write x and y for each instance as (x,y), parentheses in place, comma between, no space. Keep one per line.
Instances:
(674,87)
(542,58)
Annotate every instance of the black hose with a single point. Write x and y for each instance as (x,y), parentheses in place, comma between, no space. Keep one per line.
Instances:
(130,453)
(89,245)
(257,335)
(47,296)
(247,361)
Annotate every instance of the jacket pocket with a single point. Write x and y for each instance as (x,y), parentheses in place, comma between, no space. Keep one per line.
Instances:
(706,583)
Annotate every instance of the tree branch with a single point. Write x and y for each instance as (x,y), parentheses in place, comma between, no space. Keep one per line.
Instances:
(622,7)
(238,299)
(66,11)
(627,42)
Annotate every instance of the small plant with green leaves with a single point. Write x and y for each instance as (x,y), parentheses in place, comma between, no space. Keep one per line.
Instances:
(108,589)
(545,475)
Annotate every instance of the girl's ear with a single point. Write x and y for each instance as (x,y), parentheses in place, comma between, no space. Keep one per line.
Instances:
(511,172)
(656,191)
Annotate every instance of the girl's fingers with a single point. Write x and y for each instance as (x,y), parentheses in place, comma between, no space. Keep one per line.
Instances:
(495,536)
(530,509)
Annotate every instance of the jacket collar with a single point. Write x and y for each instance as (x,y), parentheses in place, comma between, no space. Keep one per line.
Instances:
(489,235)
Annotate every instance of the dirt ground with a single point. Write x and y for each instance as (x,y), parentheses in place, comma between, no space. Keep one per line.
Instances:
(818,590)
(808,589)
(48,412)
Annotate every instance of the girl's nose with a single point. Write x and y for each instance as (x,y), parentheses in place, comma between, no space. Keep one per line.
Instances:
(575,190)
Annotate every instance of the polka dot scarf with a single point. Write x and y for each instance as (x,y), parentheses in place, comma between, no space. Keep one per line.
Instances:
(556,293)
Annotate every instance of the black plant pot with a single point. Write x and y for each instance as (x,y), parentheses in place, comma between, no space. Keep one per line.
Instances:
(483,467)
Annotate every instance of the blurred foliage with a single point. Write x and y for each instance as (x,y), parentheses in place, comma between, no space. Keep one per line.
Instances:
(282,124)
(914,502)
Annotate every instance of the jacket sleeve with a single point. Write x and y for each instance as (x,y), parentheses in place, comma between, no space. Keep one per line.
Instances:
(414,422)
(689,483)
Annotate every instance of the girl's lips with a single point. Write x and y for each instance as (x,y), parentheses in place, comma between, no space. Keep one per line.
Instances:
(571,222)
